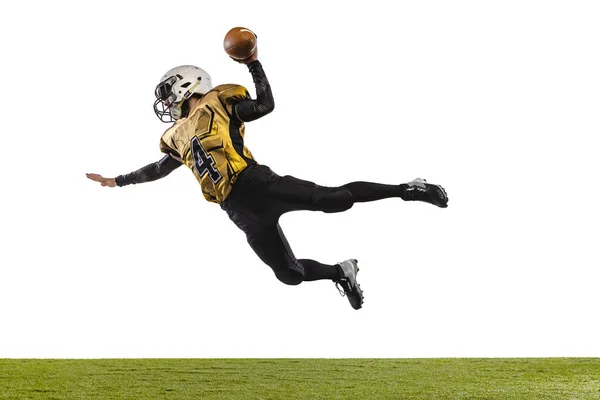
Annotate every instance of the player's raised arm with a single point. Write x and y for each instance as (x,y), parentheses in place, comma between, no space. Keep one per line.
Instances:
(250,110)
(240,45)
(150,172)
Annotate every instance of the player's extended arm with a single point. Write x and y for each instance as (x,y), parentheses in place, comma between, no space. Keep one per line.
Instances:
(150,172)
(249,110)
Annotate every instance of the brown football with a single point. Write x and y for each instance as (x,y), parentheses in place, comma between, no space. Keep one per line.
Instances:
(239,43)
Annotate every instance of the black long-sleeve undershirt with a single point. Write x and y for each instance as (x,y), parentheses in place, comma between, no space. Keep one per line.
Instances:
(250,110)
(150,172)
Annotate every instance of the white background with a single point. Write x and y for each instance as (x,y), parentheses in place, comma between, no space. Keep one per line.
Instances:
(498,101)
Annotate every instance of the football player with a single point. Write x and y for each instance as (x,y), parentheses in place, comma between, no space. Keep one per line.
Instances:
(207,136)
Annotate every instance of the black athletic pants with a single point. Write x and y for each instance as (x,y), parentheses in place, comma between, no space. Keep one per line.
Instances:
(260,197)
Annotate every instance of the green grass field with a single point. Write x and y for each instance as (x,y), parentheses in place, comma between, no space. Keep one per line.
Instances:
(552,378)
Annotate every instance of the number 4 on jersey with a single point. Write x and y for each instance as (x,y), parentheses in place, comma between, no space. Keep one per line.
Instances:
(204,163)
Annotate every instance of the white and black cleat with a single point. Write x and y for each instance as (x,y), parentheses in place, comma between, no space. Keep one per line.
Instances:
(349,287)
(420,190)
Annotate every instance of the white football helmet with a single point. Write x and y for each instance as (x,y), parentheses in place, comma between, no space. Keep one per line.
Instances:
(175,87)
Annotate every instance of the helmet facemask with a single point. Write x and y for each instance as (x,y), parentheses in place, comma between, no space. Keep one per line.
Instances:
(165,101)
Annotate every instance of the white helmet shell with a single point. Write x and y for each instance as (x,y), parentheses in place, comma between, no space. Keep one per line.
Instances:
(177,85)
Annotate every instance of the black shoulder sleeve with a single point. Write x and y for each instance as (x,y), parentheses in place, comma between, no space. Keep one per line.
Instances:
(150,172)
(249,110)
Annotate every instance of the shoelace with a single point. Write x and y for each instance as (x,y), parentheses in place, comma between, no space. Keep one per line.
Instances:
(342,291)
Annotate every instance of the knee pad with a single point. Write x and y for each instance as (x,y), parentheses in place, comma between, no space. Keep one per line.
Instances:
(289,276)
(336,200)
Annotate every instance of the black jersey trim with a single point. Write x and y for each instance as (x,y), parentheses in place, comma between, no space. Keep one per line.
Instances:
(238,141)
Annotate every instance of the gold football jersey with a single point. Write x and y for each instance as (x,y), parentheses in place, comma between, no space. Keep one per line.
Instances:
(210,142)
